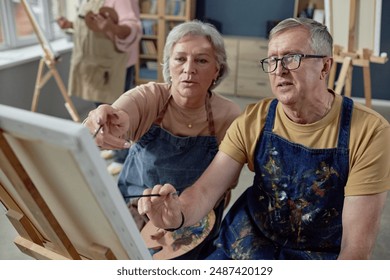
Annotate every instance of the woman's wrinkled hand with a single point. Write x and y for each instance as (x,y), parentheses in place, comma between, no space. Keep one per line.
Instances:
(110,125)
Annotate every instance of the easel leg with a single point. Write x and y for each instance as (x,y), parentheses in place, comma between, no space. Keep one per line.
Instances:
(332,76)
(37,89)
(348,82)
(68,104)
(38,252)
(41,81)
(102,253)
(367,78)
(367,85)
(347,63)
(23,226)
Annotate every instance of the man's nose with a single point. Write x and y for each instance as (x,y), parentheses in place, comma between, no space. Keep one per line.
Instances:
(280,69)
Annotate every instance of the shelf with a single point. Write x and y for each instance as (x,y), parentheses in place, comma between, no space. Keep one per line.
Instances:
(158,18)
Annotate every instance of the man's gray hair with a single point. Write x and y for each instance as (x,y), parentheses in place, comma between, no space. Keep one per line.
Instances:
(321,41)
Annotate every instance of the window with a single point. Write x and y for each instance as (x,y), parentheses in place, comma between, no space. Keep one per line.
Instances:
(16,29)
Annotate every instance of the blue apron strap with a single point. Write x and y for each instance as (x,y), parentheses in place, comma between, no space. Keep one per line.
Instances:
(345,122)
(269,123)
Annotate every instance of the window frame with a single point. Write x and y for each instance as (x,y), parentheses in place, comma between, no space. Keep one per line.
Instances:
(12,41)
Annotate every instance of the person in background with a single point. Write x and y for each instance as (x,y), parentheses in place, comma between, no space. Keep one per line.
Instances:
(321,170)
(106,47)
(176,126)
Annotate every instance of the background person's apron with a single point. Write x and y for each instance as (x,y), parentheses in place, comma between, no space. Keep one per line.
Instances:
(97,69)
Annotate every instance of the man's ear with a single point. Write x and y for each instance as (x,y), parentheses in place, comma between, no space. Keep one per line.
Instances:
(328,62)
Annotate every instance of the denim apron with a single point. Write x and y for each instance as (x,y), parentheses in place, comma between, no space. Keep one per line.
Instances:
(159,157)
(293,210)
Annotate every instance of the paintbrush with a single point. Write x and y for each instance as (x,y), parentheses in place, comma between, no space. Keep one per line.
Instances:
(148,195)
(97,131)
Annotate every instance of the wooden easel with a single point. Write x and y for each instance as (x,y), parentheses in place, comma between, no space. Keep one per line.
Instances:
(57,192)
(49,59)
(41,238)
(348,57)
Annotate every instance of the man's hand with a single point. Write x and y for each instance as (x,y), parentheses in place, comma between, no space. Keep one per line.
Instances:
(164,211)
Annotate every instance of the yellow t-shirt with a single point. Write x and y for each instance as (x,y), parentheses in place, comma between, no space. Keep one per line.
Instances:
(143,104)
(369,154)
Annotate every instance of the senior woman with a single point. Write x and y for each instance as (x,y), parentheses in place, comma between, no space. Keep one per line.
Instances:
(176,126)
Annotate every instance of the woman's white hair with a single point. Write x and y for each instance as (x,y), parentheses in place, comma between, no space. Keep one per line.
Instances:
(198,28)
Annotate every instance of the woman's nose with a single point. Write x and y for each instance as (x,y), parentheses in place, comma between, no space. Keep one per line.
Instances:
(189,67)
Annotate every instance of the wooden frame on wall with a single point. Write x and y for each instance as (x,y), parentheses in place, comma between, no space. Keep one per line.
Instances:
(58,194)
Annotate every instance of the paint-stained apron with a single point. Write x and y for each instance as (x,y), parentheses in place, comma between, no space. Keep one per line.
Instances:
(160,157)
(293,210)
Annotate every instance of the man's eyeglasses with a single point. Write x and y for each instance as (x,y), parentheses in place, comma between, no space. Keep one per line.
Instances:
(289,61)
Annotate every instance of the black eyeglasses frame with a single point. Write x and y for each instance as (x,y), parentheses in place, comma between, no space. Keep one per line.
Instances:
(300,55)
